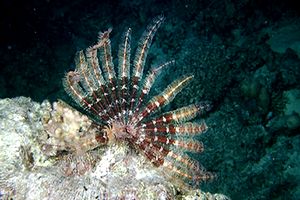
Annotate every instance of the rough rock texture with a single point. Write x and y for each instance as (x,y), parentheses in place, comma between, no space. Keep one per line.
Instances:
(108,172)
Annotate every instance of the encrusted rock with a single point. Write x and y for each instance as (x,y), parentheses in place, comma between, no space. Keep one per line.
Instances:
(106,172)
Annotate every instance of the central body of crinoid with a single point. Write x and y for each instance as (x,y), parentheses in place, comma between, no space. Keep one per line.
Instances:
(120,131)
(115,100)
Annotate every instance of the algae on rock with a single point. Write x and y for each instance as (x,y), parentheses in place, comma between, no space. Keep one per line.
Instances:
(30,171)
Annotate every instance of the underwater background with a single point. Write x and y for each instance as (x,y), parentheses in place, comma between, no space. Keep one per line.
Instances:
(244,55)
